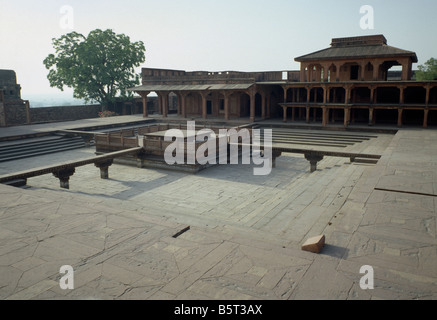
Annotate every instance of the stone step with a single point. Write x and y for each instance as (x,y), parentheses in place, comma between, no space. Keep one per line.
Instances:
(35,143)
(41,151)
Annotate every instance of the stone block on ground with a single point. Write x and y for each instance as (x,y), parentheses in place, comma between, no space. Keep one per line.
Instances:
(314,244)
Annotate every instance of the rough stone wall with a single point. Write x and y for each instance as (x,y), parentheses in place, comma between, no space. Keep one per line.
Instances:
(15,113)
(64,113)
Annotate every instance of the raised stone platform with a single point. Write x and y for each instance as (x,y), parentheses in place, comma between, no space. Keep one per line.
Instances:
(245,235)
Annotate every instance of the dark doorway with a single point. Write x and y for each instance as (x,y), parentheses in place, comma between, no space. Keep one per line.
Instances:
(209,107)
(354,72)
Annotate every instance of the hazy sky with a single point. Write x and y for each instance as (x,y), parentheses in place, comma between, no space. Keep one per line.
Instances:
(211,35)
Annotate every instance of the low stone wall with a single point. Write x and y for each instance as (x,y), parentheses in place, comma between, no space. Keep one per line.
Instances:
(14,113)
(64,113)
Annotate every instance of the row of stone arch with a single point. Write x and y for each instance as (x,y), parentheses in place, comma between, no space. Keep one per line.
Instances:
(417,95)
(261,103)
(365,70)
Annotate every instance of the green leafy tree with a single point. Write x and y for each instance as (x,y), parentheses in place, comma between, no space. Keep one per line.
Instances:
(99,67)
(427,71)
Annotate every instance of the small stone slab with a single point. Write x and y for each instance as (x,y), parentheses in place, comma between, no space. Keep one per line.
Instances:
(314,244)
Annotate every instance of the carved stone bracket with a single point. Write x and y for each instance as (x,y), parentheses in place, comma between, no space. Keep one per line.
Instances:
(313,159)
(64,176)
(103,166)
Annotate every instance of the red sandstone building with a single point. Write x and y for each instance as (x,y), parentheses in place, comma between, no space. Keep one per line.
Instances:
(348,82)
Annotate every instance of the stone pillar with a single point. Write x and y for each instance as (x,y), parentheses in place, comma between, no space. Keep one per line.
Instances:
(183,104)
(401,94)
(376,65)
(285,93)
(227,96)
(263,105)
(325,111)
(159,102)
(428,90)
(347,112)
(400,112)
(144,97)
(204,102)
(370,116)
(347,98)
(337,72)
(252,105)
(308,114)
(406,67)
(64,177)
(165,104)
(302,72)
(362,69)
(425,118)
(103,166)
(326,72)
(313,159)
(178,104)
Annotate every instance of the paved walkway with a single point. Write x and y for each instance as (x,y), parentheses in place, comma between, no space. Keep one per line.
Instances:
(245,231)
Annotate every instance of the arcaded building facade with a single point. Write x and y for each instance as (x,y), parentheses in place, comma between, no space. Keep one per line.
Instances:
(348,82)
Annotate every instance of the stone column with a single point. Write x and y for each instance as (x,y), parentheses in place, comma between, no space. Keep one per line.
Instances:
(406,67)
(370,116)
(144,97)
(425,118)
(376,65)
(285,93)
(165,104)
(183,104)
(401,94)
(337,73)
(308,114)
(347,98)
(204,101)
(227,96)
(252,107)
(325,111)
(347,113)
(362,69)
(400,112)
(263,105)
(302,72)
(159,101)
(428,90)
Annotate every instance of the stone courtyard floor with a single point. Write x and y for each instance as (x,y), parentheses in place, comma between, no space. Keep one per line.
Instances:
(246,231)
